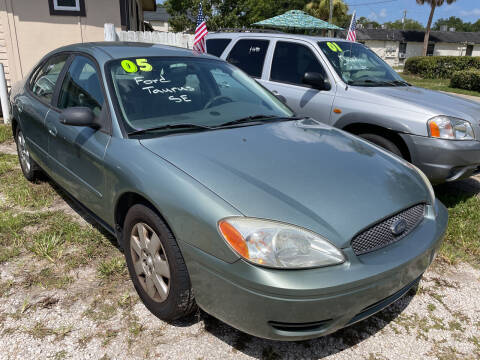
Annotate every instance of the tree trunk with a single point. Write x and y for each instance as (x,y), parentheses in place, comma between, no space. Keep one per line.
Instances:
(429,25)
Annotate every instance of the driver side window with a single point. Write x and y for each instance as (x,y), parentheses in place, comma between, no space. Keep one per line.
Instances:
(81,86)
(43,82)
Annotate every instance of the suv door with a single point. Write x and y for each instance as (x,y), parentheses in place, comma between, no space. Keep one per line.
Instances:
(249,55)
(34,106)
(290,61)
(78,151)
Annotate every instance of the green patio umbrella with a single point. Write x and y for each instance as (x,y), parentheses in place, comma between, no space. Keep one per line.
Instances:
(297,19)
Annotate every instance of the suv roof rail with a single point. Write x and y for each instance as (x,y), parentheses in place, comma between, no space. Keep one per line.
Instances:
(247,30)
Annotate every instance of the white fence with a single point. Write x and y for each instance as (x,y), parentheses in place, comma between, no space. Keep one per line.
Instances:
(156,37)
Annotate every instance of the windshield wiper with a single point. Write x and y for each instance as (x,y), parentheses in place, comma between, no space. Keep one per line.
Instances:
(171,127)
(380,82)
(257,119)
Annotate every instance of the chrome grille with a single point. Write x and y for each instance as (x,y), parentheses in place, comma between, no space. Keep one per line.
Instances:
(381,234)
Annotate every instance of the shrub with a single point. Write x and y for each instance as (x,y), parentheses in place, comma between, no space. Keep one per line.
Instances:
(440,67)
(468,80)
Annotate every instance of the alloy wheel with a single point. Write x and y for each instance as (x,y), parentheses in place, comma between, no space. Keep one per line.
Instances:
(23,153)
(150,262)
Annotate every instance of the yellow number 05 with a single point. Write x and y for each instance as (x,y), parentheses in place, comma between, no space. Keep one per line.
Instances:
(130,67)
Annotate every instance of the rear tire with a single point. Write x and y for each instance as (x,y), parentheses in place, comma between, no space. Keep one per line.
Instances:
(30,169)
(382,142)
(156,265)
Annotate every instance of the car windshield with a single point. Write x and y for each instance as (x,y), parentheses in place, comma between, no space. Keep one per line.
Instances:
(358,65)
(171,92)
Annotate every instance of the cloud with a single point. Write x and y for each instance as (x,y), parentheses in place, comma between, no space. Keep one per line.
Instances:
(375,16)
(473,12)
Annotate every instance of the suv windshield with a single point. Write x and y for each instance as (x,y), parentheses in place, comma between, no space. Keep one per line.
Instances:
(358,65)
(158,92)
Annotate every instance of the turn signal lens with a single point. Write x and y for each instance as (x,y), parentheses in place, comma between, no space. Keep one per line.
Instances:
(434,130)
(234,238)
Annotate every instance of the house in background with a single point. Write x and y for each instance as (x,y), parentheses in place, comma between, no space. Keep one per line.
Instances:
(31,28)
(159,20)
(395,46)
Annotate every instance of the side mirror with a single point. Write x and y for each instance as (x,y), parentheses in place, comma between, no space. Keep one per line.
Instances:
(316,80)
(79,116)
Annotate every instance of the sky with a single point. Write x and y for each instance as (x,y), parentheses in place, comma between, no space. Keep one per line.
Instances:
(391,10)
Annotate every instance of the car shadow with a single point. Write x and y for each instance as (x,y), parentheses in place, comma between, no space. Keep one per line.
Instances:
(309,349)
(450,194)
(80,210)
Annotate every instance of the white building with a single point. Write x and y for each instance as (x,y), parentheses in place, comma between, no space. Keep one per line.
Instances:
(395,46)
(159,19)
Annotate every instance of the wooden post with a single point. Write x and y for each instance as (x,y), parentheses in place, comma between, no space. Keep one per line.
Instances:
(4,96)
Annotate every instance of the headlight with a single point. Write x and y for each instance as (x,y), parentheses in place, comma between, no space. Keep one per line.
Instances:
(278,245)
(446,127)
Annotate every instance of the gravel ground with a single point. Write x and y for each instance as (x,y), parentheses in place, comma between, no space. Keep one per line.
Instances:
(90,317)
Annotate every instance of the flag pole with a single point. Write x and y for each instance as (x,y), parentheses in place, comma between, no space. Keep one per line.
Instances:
(351,22)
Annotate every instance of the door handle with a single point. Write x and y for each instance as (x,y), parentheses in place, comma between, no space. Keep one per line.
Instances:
(52,130)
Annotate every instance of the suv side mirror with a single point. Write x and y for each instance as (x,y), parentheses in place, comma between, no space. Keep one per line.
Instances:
(79,116)
(316,80)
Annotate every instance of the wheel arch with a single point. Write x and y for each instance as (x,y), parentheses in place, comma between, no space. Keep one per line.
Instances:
(124,203)
(358,128)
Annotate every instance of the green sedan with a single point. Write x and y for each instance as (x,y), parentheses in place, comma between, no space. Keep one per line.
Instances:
(219,196)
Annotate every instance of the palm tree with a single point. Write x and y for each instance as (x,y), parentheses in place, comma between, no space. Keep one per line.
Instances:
(433,4)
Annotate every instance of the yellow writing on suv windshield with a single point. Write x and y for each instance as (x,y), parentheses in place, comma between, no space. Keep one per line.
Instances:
(334,46)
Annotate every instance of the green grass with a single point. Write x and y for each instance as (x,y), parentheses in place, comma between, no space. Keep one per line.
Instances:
(112,268)
(462,239)
(5,133)
(436,84)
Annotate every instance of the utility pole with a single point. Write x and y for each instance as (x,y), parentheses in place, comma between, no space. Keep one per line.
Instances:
(330,17)
(404,18)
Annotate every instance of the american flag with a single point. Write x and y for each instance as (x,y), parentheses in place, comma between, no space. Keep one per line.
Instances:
(200,32)
(352,31)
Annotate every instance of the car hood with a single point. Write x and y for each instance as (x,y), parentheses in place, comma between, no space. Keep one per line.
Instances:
(298,172)
(426,101)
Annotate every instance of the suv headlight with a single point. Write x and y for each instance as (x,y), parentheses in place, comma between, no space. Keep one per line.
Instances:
(278,245)
(447,127)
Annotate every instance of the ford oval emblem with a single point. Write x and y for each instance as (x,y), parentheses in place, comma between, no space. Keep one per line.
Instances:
(398,227)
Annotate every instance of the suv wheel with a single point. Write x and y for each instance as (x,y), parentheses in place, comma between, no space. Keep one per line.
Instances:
(382,142)
(156,265)
(29,168)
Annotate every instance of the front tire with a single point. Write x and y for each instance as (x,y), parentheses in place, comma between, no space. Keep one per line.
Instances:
(156,265)
(29,168)
(382,142)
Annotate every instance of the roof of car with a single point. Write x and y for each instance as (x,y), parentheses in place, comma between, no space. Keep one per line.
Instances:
(271,35)
(123,49)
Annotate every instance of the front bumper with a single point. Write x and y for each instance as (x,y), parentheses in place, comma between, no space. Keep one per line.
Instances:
(444,160)
(303,304)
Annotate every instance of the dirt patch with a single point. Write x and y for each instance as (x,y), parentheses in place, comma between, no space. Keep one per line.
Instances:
(8,148)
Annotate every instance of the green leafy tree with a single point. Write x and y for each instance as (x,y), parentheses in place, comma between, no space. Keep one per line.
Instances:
(365,21)
(321,10)
(410,24)
(455,22)
(433,5)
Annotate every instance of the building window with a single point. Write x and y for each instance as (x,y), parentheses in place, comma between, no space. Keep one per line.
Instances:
(67,7)
(430,49)
(469,50)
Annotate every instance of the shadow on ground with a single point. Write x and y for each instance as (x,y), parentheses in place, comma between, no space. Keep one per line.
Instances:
(450,194)
(316,348)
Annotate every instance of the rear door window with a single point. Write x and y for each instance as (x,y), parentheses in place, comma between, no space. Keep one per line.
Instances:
(217,46)
(44,80)
(291,61)
(249,55)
